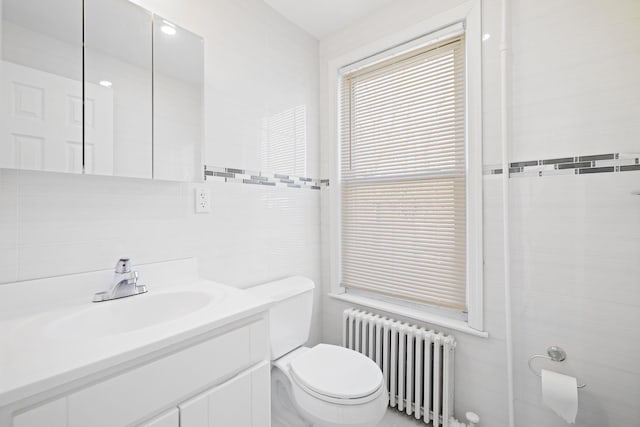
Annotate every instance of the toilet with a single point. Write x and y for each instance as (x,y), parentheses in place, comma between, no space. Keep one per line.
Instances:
(321,386)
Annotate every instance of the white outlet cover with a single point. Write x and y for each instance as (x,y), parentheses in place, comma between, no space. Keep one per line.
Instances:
(203,200)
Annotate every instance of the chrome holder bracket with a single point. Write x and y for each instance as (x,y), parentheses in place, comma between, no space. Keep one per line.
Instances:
(555,354)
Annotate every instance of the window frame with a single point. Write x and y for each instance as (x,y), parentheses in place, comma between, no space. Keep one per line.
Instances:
(469,15)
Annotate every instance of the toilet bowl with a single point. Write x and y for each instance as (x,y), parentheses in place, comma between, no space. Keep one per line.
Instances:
(322,386)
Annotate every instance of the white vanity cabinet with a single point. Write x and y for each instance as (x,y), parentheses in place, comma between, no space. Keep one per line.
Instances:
(223,380)
(171,418)
(241,401)
(52,414)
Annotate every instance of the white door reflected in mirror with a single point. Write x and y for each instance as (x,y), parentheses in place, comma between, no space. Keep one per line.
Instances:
(45,125)
(41,115)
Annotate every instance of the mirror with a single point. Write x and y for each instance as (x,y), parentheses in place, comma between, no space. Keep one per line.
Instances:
(178,75)
(41,92)
(118,89)
(142,81)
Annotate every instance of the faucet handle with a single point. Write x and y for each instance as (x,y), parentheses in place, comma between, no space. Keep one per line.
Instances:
(123,266)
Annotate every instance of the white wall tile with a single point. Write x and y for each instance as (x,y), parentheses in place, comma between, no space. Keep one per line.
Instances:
(575,72)
(576,239)
(575,275)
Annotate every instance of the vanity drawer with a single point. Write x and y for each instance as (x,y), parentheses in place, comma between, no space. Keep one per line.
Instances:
(52,414)
(242,401)
(140,392)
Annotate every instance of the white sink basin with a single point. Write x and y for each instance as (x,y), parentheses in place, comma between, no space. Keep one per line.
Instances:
(130,314)
(52,334)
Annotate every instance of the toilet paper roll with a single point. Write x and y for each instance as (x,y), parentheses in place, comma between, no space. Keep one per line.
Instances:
(560,393)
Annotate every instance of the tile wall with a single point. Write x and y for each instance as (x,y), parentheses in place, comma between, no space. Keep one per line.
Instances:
(576,238)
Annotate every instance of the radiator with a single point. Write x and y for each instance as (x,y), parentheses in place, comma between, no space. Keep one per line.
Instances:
(417,364)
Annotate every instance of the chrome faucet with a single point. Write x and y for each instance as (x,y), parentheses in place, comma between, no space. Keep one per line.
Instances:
(124,284)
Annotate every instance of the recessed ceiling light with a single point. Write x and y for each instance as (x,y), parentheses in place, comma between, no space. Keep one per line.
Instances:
(106,83)
(168,30)
(485,37)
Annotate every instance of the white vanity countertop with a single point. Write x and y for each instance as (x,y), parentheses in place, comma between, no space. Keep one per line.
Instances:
(41,349)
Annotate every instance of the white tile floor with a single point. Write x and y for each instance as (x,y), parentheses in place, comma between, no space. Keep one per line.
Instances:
(393,418)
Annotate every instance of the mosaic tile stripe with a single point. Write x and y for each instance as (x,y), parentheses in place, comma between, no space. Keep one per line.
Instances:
(577,165)
(243,176)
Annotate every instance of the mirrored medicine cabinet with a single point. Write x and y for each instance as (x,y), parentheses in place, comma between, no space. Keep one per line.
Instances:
(100,87)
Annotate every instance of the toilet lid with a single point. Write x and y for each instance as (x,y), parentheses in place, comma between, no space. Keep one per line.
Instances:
(337,372)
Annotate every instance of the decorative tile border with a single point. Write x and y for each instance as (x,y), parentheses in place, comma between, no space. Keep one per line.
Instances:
(243,176)
(578,165)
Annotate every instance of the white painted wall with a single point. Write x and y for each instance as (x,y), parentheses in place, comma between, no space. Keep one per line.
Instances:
(575,239)
(257,63)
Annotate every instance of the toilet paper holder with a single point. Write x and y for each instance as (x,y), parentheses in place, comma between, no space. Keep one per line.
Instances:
(555,354)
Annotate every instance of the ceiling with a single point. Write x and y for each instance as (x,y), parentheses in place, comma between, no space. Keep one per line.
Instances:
(322,18)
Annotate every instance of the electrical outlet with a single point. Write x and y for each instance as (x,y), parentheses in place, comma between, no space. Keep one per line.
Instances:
(203,200)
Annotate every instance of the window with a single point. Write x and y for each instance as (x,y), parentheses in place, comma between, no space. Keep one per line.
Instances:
(404,177)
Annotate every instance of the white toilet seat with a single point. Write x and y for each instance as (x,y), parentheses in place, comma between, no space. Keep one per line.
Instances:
(338,400)
(323,410)
(337,375)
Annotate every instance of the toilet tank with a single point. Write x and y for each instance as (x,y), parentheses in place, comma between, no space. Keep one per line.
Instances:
(290,316)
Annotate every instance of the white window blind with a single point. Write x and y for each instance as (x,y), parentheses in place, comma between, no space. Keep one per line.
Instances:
(403,176)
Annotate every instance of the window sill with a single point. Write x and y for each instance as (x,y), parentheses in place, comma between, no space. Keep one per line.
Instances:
(433,319)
